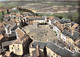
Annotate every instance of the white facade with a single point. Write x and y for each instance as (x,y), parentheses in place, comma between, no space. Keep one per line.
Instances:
(46,19)
(0,55)
(49,22)
(8,31)
(41,21)
(16,49)
(57,31)
(59,34)
(63,37)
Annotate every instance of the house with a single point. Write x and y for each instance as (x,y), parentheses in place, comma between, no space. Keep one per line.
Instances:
(63,37)
(10,28)
(64,28)
(51,20)
(14,9)
(67,25)
(54,50)
(27,14)
(0,55)
(70,39)
(57,31)
(67,33)
(62,23)
(16,48)
(37,20)
(58,28)
(13,46)
(59,25)
(25,40)
(37,49)
(37,52)
(20,46)
(19,33)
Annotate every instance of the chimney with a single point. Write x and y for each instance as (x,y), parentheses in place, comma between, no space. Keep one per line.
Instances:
(8,11)
(72,32)
(37,49)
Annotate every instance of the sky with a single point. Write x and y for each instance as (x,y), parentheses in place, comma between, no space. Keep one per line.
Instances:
(3,0)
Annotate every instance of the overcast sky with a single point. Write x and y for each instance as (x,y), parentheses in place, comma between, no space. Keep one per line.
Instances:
(3,0)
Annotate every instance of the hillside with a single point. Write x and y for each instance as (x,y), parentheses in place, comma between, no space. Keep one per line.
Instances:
(45,6)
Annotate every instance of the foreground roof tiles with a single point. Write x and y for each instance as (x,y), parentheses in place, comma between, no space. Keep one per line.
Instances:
(63,52)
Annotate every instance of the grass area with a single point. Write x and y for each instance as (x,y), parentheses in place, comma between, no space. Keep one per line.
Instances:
(72,16)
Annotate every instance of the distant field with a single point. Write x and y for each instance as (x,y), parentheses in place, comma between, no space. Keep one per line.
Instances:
(62,3)
(20,3)
(40,5)
(14,3)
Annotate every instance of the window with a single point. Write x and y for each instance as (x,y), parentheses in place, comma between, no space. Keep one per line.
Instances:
(32,45)
(18,45)
(18,48)
(12,47)
(32,36)
(53,54)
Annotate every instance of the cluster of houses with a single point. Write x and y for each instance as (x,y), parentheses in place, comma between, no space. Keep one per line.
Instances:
(14,41)
(67,32)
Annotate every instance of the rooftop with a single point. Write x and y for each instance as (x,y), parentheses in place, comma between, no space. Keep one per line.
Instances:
(69,34)
(40,44)
(63,52)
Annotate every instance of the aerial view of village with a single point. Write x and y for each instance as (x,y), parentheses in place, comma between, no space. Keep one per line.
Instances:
(39,28)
